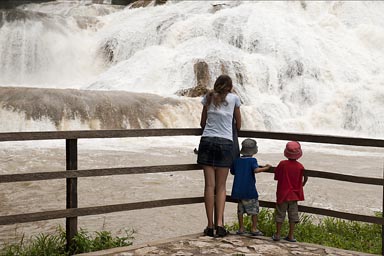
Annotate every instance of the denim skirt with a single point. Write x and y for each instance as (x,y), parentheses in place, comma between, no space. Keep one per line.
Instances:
(215,151)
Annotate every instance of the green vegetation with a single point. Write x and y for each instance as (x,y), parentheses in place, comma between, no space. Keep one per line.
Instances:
(332,232)
(54,244)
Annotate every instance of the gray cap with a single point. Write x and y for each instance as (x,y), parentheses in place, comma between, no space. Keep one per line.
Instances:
(248,147)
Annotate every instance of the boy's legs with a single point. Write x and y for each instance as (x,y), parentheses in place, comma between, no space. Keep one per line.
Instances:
(278,230)
(251,207)
(281,210)
(240,216)
(293,216)
(291,230)
(241,222)
(254,223)
(254,211)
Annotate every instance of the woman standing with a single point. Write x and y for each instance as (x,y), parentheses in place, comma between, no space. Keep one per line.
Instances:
(220,106)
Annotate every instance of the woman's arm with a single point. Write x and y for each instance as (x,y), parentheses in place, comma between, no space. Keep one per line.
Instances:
(237,116)
(203,119)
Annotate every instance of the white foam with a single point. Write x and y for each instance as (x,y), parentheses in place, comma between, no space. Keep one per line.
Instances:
(313,67)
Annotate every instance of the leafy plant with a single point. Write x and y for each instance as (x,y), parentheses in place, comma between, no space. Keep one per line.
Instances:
(332,232)
(55,244)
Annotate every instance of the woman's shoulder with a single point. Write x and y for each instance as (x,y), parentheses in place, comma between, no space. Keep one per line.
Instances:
(231,94)
(232,97)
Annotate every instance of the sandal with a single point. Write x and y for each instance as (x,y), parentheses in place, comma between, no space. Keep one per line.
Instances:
(209,232)
(257,233)
(290,240)
(275,238)
(239,232)
(221,231)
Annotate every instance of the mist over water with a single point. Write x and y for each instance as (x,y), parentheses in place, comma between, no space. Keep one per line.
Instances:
(313,67)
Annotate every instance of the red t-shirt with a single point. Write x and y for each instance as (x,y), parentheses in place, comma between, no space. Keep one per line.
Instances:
(289,176)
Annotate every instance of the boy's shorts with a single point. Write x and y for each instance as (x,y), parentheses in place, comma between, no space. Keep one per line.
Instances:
(248,206)
(293,212)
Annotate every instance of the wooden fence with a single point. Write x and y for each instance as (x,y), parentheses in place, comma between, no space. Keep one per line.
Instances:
(72,174)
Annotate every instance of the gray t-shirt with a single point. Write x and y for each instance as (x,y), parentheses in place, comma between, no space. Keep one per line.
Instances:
(219,119)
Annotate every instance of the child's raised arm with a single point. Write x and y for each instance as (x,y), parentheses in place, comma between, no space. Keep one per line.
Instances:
(262,169)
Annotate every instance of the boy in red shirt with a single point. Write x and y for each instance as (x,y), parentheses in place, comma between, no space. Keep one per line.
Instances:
(291,178)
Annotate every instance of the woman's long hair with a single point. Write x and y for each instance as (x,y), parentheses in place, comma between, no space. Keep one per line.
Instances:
(223,85)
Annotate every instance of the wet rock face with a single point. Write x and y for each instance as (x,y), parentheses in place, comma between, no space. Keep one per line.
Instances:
(110,109)
(122,2)
(203,80)
(9,4)
(108,50)
(202,73)
(20,15)
(144,3)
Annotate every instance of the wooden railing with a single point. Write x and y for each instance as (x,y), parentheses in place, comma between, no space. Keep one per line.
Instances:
(72,174)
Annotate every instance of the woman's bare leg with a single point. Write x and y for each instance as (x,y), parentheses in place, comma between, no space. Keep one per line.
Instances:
(221,175)
(209,193)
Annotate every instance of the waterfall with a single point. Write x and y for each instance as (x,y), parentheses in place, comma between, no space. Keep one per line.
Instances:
(298,66)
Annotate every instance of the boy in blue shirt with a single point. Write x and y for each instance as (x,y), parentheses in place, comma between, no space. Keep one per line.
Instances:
(244,185)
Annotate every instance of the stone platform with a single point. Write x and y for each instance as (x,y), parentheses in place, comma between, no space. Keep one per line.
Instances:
(197,244)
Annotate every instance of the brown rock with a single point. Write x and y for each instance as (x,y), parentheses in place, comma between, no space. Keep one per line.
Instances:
(140,3)
(144,3)
(203,80)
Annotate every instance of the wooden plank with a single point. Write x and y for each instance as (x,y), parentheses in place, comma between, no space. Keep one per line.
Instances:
(340,177)
(382,215)
(326,139)
(94,134)
(345,177)
(71,164)
(97,172)
(89,134)
(342,215)
(76,212)
(164,168)
(31,217)
(326,212)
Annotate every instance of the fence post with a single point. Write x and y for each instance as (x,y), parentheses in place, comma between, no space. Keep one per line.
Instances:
(71,164)
(382,215)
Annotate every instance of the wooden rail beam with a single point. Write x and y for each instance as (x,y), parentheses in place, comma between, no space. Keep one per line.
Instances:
(76,212)
(325,212)
(7,178)
(93,134)
(97,134)
(326,139)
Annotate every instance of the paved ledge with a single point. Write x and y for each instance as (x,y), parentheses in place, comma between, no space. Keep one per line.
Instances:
(197,244)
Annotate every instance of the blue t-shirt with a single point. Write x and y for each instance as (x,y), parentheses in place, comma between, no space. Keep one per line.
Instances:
(244,183)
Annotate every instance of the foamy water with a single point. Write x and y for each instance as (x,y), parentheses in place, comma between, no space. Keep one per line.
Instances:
(297,66)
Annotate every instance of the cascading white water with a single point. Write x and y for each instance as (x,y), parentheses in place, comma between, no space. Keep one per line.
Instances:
(313,67)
